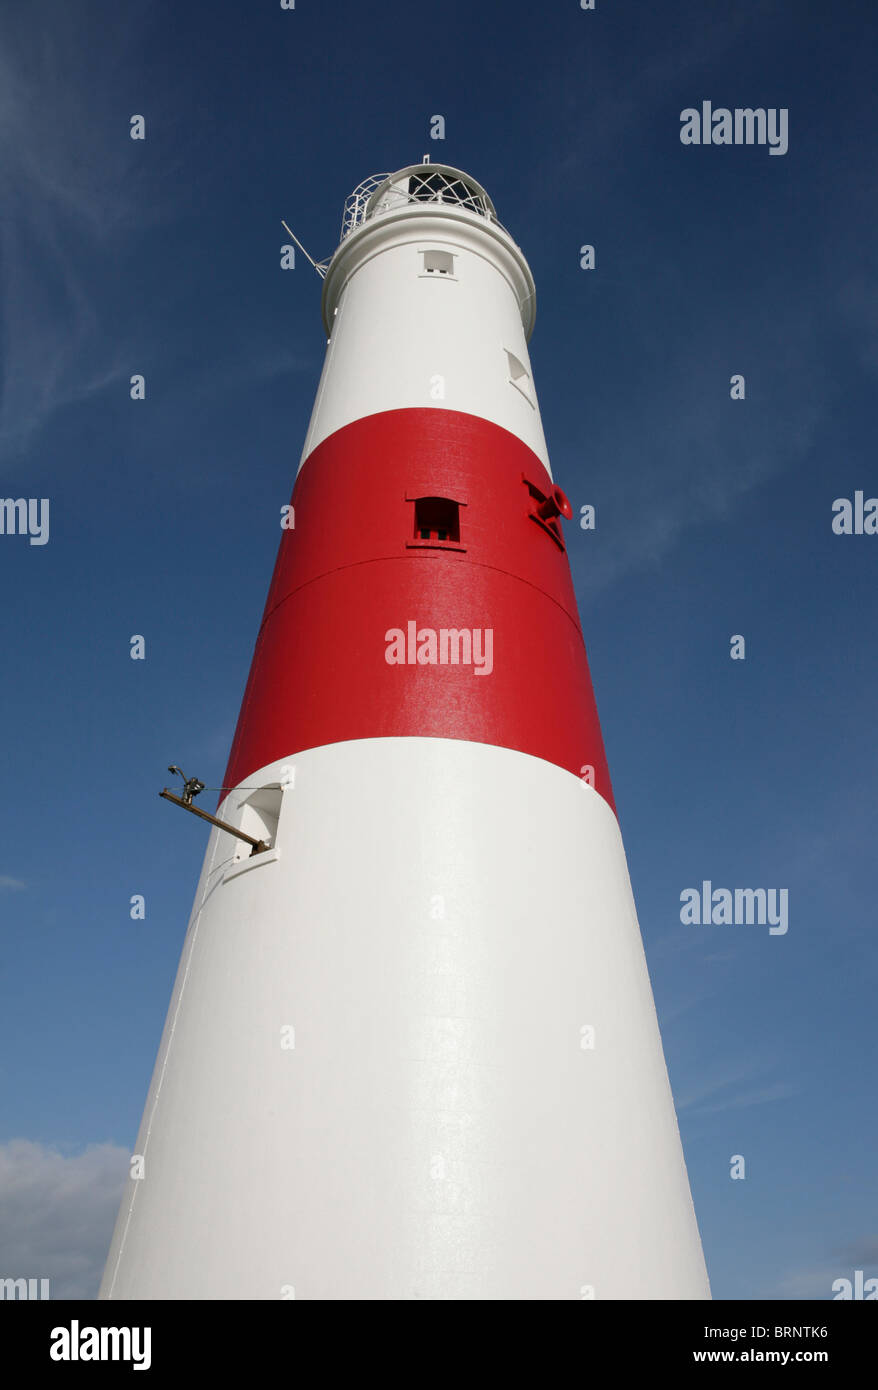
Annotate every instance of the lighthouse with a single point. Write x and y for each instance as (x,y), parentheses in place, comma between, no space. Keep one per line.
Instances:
(412,1050)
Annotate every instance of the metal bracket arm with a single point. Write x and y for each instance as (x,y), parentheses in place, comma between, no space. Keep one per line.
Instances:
(259,846)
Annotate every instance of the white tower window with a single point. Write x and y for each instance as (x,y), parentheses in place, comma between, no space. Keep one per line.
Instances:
(258,816)
(519,377)
(438,263)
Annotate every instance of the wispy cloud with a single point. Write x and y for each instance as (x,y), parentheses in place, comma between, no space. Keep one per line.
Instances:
(816,1280)
(810,1282)
(616,96)
(758,1095)
(12,884)
(57,1212)
(73,187)
(675,451)
(861,1253)
(683,458)
(78,198)
(737,1088)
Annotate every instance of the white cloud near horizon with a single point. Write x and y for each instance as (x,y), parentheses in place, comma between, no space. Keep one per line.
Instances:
(57,1212)
(815,1281)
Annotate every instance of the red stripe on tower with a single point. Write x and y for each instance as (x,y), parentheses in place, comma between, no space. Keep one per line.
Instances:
(431,518)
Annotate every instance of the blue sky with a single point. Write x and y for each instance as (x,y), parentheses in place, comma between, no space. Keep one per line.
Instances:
(713,518)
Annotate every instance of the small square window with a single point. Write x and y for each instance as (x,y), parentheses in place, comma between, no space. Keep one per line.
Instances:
(519,377)
(438,262)
(437,519)
(259,816)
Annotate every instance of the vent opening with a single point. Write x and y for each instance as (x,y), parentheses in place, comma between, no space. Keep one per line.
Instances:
(519,377)
(438,262)
(437,519)
(259,816)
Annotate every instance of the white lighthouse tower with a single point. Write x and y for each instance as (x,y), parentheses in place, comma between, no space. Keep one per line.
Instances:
(412,1051)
